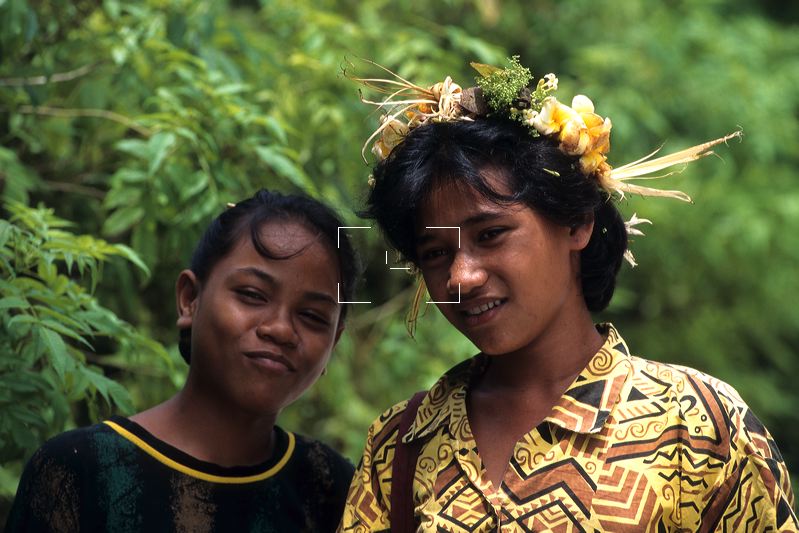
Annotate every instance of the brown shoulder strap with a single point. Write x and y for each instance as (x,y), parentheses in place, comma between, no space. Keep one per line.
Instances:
(403,469)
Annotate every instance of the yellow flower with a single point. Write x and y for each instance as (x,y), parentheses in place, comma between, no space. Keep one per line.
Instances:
(582,104)
(590,161)
(579,131)
(552,117)
(574,137)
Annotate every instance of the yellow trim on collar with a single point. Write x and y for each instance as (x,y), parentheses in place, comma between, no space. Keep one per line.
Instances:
(171,463)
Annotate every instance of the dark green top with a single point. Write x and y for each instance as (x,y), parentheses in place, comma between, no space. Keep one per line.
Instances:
(116,476)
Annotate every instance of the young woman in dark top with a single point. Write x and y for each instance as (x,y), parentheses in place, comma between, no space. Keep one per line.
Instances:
(259,315)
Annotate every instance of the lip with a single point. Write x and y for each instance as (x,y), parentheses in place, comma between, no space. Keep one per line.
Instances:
(270,361)
(475,320)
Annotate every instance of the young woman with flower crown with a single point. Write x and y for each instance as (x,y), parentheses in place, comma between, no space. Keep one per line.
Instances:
(501,196)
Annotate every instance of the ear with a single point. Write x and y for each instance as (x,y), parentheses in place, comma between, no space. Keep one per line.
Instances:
(187,292)
(339,331)
(580,235)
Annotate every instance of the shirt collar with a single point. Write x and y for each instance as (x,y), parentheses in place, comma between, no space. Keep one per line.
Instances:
(583,408)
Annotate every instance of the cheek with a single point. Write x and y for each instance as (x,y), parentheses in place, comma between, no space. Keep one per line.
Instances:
(316,346)
(436,283)
(227,323)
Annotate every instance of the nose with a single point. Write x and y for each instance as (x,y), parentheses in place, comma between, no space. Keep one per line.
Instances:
(279,328)
(466,271)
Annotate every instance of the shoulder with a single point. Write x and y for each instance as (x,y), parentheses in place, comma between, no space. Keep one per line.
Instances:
(65,458)
(52,484)
(693,393)
(725,447)
(434,410)
(710,409)
(328,465)
(321,478)
(323,473)
(676,378)
(71,448)
(693,389)
(384,427)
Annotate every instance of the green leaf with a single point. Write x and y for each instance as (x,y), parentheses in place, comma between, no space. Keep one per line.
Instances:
(6,231)
(22,382)
(56,351)
(133,257)
(276,129)
(123,219)
(285,167)
(63,330)
(46,270)
(144,241)
(19,320)
(134,147)
(198,183)
(158,148)
(111,391)
(121,196)
(14,302)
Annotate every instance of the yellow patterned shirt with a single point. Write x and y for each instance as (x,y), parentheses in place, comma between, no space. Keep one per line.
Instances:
(632,445)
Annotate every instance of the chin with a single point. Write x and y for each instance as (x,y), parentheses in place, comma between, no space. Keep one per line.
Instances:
(494,347)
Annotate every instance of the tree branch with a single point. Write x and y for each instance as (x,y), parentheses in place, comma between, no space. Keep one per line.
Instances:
(93,113)
(62,186)
(52,78)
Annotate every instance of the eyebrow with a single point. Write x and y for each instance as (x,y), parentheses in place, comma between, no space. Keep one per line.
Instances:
(269,279)
(479,218)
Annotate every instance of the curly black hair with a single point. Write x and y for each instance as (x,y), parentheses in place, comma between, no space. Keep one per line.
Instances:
(539,176)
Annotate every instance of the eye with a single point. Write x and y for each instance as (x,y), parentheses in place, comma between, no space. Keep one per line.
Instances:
(251,295)
(315,317)
(432,254)
(490,234)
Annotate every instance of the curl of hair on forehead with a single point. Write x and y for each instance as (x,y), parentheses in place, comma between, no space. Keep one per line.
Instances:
(246,218)
(537,175)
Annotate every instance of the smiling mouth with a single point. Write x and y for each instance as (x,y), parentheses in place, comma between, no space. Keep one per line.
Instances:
(270,360)
(478,310)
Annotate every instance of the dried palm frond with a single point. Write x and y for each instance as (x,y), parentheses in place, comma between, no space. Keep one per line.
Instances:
(643,168)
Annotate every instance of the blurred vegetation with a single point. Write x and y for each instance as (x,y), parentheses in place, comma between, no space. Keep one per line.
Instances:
(136,121)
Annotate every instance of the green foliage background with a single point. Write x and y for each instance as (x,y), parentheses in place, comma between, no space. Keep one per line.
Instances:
(126,125)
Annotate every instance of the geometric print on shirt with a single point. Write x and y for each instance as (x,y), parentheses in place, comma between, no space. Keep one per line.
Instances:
(632,445)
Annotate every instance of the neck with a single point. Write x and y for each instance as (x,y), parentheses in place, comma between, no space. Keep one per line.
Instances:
(548,365)
(210,430)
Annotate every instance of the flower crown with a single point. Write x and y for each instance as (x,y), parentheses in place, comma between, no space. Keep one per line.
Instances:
(577,129)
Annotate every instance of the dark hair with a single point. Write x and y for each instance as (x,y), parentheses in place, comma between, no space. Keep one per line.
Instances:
(539,176)
(248,216)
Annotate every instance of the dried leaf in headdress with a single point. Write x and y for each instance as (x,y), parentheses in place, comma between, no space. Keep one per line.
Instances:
(472,100)
(644,167)
(483,69)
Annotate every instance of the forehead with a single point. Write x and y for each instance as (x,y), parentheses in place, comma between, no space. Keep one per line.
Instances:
(285,245)
(283,238)
(454,202)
